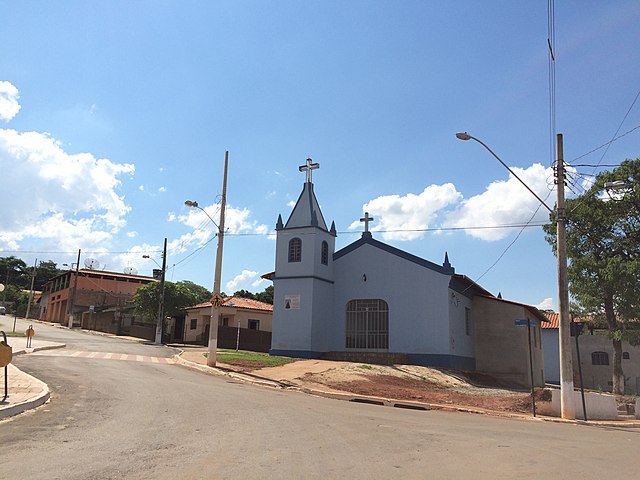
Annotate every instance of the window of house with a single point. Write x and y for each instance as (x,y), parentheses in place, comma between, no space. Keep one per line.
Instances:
(324,257)
(254,324)
(367,325)
(225,321)
(295,250)
(599,358)
(194,324)
(467,321)
(625,355)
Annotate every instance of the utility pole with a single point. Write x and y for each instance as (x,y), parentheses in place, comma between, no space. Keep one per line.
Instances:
(33,277)
(75,289)
(567,403)
(160,320)
(216,299)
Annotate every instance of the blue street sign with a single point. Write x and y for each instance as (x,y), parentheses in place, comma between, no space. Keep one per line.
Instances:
(525,322)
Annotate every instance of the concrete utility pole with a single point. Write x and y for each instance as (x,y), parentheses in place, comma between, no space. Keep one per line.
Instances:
(33,278)
(75,288)
(567,403)
(161,296)
(216,300)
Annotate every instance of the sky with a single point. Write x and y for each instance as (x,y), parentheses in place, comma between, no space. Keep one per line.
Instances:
(112,114)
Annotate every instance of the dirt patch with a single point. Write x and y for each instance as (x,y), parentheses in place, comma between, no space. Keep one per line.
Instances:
(422,384)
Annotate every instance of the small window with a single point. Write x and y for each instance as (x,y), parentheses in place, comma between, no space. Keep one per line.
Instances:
(254,324)
(467,321)
(625,355)
(324,258)
(194,324)
(295,250)
(599,358)
(225,322)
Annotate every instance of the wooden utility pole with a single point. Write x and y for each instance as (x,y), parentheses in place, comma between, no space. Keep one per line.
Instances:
(75,288)
(33,278)
(216,300)
(567,403)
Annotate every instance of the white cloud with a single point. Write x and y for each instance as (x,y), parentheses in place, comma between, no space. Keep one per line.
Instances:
(75,203)
(162,189)
(132,234)
(406,218)
(546,304)
(504,203)
(141,188)
(241,280)
(258,282)
(9,106)
(291,204)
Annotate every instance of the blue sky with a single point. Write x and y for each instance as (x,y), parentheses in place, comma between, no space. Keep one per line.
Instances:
(112,114)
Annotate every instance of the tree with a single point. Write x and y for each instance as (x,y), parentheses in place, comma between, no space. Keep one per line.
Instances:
(266,296)
(45,271)
(244,294)
(177,297)
(13,271)
(603,247)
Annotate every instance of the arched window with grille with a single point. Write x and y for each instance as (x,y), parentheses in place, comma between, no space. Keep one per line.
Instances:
(324,255)
(599,358)
(295,250)
(367,325)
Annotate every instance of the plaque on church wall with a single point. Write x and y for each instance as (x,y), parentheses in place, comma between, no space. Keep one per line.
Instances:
(292,302)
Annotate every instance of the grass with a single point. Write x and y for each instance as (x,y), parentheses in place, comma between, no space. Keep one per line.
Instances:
(14,334)
(365,367)
(256,359)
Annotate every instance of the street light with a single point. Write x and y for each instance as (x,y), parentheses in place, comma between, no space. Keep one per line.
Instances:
(216,299)
(567,404)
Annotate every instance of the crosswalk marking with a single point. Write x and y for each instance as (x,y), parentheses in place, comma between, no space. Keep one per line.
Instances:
(106,356)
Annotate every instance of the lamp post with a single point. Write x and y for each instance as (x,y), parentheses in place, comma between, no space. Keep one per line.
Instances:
(567,404)
(216,299)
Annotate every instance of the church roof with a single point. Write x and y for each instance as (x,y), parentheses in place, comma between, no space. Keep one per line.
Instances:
(367,239)
(306,212)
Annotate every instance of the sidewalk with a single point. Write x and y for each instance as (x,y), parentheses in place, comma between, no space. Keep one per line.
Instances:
(292,377)
(24,391)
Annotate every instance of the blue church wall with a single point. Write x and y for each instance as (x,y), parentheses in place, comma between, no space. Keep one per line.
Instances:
(417,298)
(292,326)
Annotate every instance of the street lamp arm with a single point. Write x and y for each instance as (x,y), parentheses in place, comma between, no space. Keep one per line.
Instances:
(466,136)
(194,204)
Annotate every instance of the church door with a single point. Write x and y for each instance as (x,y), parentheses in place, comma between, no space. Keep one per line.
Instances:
(367,325)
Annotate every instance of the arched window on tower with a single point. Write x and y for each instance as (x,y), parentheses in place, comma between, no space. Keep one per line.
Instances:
(295,250)
(324,256)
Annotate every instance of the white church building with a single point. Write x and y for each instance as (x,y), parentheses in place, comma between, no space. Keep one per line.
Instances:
(373,302)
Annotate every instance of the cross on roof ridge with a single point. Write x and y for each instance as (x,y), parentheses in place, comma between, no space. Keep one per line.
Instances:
(366,219)
(308,167)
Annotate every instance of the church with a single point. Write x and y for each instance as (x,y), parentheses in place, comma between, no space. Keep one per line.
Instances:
(372,302)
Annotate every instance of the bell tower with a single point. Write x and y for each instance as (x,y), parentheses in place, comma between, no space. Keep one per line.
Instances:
(303,279)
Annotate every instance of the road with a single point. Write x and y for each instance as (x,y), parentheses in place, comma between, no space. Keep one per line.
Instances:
(117,419)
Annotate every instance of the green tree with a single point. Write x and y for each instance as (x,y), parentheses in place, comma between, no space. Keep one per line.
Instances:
(244,294)
(266,296)
(13,271)
(603,248)
(177,297)
(45,272)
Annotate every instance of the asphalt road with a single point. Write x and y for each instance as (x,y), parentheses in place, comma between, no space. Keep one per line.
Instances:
(113,419)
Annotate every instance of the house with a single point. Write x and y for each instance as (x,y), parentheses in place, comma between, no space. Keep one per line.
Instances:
(370,301)
(244,322)
(596,356)
(86,288)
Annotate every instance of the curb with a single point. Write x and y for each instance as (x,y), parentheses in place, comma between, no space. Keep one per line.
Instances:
(387,402)
(35,402)
(39,349)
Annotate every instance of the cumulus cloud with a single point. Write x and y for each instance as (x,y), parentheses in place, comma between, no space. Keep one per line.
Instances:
(504,203)
(241,280)
(76,200)
(9,106)
(546,304)
(406,218)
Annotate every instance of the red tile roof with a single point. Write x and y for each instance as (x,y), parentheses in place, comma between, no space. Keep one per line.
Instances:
(239,302)
(554,320)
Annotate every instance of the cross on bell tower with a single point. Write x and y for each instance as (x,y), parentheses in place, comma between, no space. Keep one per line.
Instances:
(308,168)
(366,219)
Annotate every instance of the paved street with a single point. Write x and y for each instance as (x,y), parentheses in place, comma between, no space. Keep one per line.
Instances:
(112,417)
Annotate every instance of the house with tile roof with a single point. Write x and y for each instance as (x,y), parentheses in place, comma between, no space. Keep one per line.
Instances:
(596,357)
(241,319)
(371,301)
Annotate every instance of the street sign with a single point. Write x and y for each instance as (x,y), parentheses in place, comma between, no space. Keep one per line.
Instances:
(525,322)
(92,308)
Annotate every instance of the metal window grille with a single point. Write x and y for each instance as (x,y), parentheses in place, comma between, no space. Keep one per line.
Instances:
(367,325)
(325,253)
(599,358)
(295,250)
